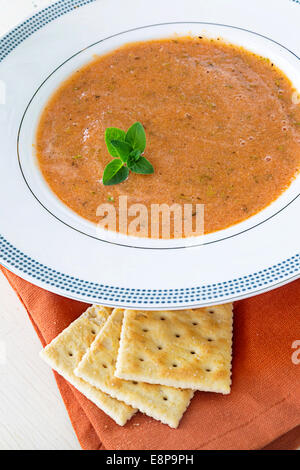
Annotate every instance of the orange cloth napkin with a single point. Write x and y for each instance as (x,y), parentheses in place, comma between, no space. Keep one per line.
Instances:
(263,407)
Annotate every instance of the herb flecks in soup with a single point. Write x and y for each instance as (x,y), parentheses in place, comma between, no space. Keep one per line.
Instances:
(221,126)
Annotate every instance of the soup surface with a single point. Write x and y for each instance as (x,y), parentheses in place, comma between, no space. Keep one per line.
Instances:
(222,129)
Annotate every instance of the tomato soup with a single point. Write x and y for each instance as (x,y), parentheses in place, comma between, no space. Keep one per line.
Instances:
(221,125)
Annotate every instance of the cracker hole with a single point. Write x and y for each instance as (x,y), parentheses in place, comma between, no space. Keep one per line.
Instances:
(70,354)
(104,366)
(135,383)
(194,323)
(192,352)
(165,398)
(211,312)
(162,318)
(174,365)
(145,330)
(93,332)
(207,370)
(159,347)
(209,340)
(177,336)
(141,359)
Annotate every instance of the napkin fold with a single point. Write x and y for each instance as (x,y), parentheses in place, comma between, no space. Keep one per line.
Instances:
(262,411)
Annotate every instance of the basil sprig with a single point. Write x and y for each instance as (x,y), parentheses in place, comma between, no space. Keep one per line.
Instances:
(127,148)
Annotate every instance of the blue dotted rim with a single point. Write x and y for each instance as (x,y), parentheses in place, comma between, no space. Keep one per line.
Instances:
(78,288)
(17,261)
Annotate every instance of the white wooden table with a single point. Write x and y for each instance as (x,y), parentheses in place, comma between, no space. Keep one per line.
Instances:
(32,414)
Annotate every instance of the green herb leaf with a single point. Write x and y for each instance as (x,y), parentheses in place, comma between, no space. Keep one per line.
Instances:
(135,155)
(123,149)
(142,166)
(113,133)
(136,137)
(127,149)
(115,172)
